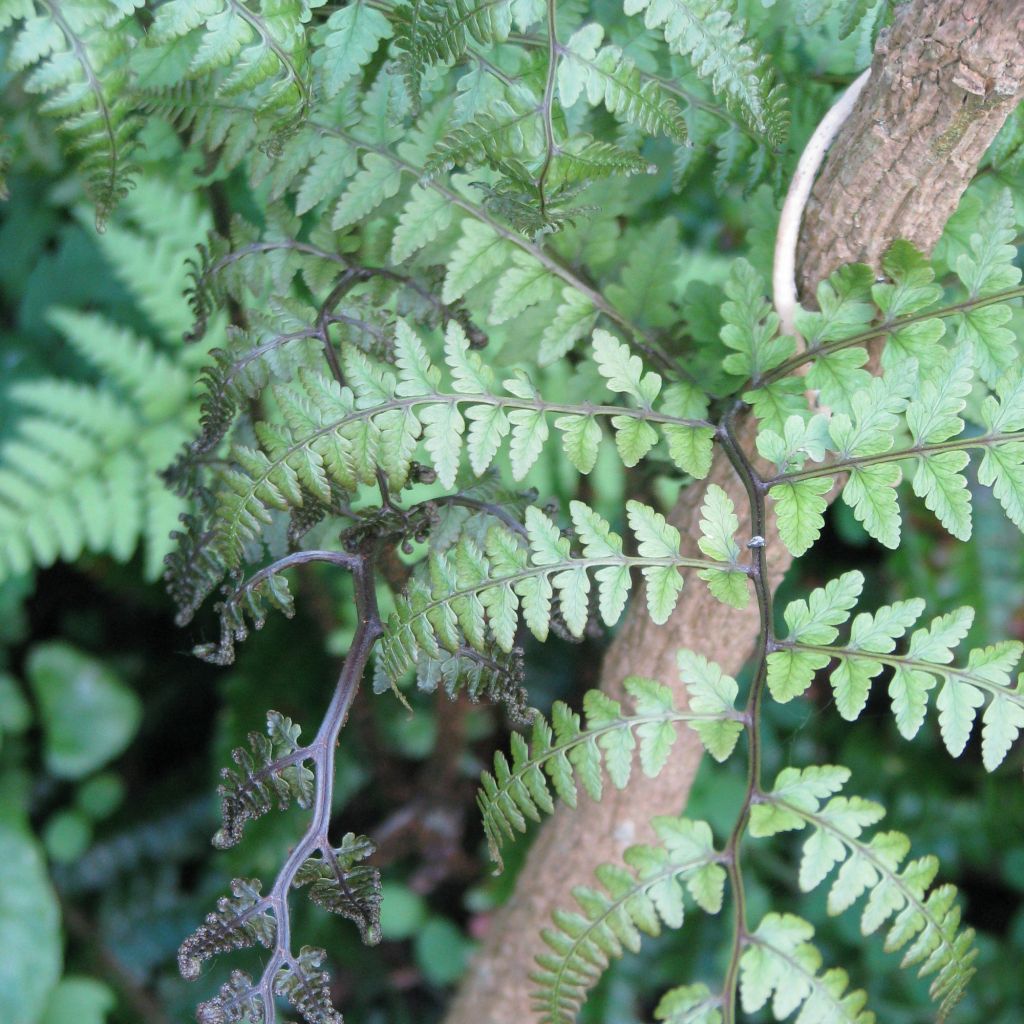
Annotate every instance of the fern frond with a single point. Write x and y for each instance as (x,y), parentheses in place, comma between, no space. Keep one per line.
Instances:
(339,883)
(607,76)
(634,899)
(431,32)
(939,458)
(781,959)
(78,54)
(298,979)
(252,48)
(273,772)
(717,42)
(571,753)
(336,438)
(240,921)
(303,983)
(985,679)
(474,597)
(689,1004)
(925,917)
(78,475)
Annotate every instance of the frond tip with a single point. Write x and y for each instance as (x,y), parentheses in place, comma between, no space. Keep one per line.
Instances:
(631,900)
(927,918)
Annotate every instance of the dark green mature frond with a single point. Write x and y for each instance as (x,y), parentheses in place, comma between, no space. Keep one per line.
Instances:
(603,74)
(253,50)
(986,678)
(925,917)
(632,900)
(780,959)
(273,772)
(241,920)
(78,55)
(717,42)
(571,753)
(338,882)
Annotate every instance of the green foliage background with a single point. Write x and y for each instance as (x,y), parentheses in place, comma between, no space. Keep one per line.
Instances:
(106,799)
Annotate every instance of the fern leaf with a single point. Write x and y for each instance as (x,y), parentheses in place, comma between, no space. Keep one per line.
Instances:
(255,49)
(631,900)
(925,917)
(607,76)
(339,883)
(781,960)
(689,1004)
(718,526)
(308,988)
(984,680)
(716,41)
(81,52)
(348,40)
(569,753)
(272,772)
(241,920)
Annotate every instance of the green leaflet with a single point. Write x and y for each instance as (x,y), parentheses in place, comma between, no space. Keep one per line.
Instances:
(782,961)
(469,598)
(715,40)
(718,526)
(631,901)
(798,508)
(348,40)
(985,681)
(900,894)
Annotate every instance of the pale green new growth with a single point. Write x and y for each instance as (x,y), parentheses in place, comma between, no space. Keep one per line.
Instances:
(634,899)
(899,895)
(570,753)
(985,681)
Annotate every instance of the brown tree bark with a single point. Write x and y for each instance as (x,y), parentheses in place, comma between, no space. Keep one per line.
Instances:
(944,78)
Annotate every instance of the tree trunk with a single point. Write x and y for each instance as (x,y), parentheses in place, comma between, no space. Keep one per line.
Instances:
(944,78)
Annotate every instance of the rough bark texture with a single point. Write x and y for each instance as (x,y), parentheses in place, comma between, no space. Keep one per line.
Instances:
(943,80)
(945,76)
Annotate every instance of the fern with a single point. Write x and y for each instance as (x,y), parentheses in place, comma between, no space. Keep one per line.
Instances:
(925,917)
(81,472)
(256,50)
(274,772)
(984,680)
(632,899)
(717,42)
(476,597)
(570,754)
(335,438)
(242,919)
(781,960)
(424,180)
(78,56)
(339,883)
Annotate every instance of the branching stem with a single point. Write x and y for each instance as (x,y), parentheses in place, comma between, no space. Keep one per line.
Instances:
(321,753)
